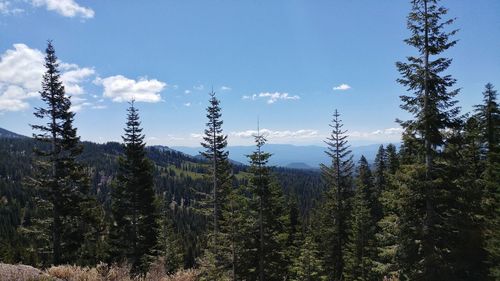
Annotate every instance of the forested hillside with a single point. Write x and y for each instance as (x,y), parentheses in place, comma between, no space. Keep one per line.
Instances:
(425,209)
(176,176)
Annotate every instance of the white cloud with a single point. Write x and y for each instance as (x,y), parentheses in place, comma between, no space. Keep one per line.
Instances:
(272,97)
(6,8)
(78,106)
(389,134)
(122,89)
(196,136)
(74,76)
(21,71)
(342,87)
(67,8)
(199,87)
(187,92)
(187,104)
(225,88)
(13,99)
(304,133)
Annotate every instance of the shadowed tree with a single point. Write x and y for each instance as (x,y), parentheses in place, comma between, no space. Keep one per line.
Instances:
(134,232)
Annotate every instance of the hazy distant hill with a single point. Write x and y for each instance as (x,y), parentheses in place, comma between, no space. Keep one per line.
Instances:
(287,155)
(8,134)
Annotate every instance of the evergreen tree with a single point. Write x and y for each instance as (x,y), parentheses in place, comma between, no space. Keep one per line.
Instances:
(61,183)
(307,265)
(392,158)
(427,193)
(244,233)
(134,231)
(387,234)
(361,251)
(488,121)
(169,242)
(219,253)
(336,206)
(468,254)
(272,216)
(380,168)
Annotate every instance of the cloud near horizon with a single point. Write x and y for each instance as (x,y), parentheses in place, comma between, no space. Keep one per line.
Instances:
(272,97)
(389,134)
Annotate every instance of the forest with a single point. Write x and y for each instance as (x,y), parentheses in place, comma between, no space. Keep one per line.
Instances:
(425,209)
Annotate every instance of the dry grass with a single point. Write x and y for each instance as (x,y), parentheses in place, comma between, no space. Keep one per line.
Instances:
(102,272)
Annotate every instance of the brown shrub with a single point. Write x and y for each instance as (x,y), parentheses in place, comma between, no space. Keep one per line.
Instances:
(103,272)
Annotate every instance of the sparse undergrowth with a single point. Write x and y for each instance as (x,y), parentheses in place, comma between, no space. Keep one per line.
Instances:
(102,272)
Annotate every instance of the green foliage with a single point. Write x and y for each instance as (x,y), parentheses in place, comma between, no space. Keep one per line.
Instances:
(133,235)
(486,135)
(336,208)
(307,266)
(64,210)
(361,251)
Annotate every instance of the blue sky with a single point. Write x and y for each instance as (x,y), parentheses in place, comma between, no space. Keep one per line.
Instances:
(279,61)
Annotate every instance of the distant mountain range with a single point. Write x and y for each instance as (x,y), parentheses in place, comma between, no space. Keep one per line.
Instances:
(284,155)
(291,156)
(8,134)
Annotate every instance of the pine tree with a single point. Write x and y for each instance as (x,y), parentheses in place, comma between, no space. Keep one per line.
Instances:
(380,165)
(219,252)
(272,216)
(387,235)
(462,150)
(427,195)
(392,158)
(307,265)
(61,183)
(134,231)
(169,241)
(488,121)
(336,206)
(244,233)
(361,251)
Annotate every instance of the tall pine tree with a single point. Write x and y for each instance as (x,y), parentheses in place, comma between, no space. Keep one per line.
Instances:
(336,206)
(219,263)
(61,183)
(272,216)
(427,193)
(133,236)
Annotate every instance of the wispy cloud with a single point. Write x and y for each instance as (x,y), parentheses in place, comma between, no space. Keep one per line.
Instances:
(66,8)
(272,134)
(187,104)
(6,8)
(225,88)
(199,87)
(389,134)
(122,89)
(272,97)
(342,87)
